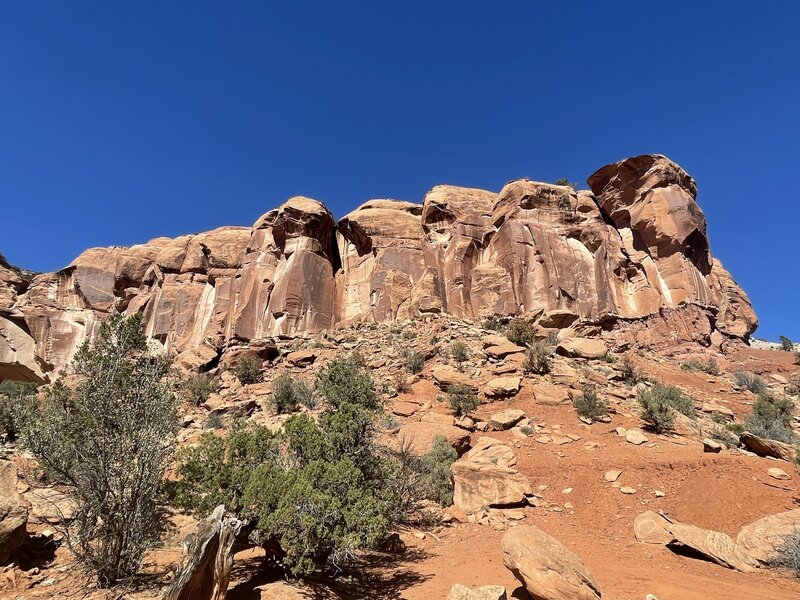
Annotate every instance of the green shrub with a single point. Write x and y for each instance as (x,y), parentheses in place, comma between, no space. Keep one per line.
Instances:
(459,352)
(659,403)
(786,344)
(607,357)
(631,373)
(735,428)
(198,387)
(771,419)
(749,381)
(414,362)
(108,440)
(725,436)
(344,381)
(435,479)
(462,399)
(317,493)
(288,393)
(537,358)
(520,332)
(248,370)
(15,401)
(493,324)
(710,366)
(589,405)
(409,335)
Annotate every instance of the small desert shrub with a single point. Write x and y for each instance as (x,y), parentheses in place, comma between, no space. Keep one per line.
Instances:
(749,381)
(607,357)
(735,428)
(435,480)
(462,399)
(725,436)
(342,380)
(198,387)
(409,335)
(793,387)
(710,366)
(537,358)
(459,352)
(108,439)
(631,374)
(248,370)
(214,421)
(786,344)
(414,362)
(493,324)
(771,419)
(288,393)
(588,404)
(520,332)
(401,382)
(15,402)
(659,403)
(788,553)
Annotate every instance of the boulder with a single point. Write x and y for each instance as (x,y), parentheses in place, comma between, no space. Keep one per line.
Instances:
(486,592)
(546,569)
(506,419)
(13,513)
(710,445)
(760,539)
(550,395)
(635,437)
(301,358)
(581,347)
(652,528)
(446,377)
(486,477)
(420,435)
(765,447)
(501,387)
(714,545)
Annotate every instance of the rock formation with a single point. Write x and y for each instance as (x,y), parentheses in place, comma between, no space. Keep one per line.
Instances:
(631,254)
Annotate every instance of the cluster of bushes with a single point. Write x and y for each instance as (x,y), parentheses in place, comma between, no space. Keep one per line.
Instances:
(248,370)
(710,366)
(749,381)
(631,373)
(320,490)
(659,404)
(771,418)
(15,400)
(289,393)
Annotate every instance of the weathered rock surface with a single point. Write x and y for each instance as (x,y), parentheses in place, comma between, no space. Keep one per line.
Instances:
(500,387)
(760,539)
(486,477)
(766,447)
(486,592)
(545,567)
(420,435)
(13,514)
(632,253)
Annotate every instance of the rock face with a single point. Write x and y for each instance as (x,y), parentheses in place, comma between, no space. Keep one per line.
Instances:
(545,567)
(629,255)
(13,514)
(486,477)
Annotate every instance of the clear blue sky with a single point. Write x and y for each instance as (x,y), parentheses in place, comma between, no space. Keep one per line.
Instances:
(123,121)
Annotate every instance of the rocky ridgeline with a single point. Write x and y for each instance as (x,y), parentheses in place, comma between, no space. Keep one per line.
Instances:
(630,258)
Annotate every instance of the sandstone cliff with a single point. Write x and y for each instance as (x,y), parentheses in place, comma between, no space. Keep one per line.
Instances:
(631,255)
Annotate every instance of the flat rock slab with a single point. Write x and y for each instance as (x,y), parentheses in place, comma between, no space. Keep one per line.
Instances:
(501,387)
(506,419)
(581,347)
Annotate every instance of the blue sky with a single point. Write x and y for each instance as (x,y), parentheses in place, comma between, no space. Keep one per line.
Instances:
(120,122)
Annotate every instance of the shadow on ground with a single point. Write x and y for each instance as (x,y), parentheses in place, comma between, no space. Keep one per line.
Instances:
(379,576)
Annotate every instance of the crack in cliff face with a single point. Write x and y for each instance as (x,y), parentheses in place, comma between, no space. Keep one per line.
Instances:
(633,246)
